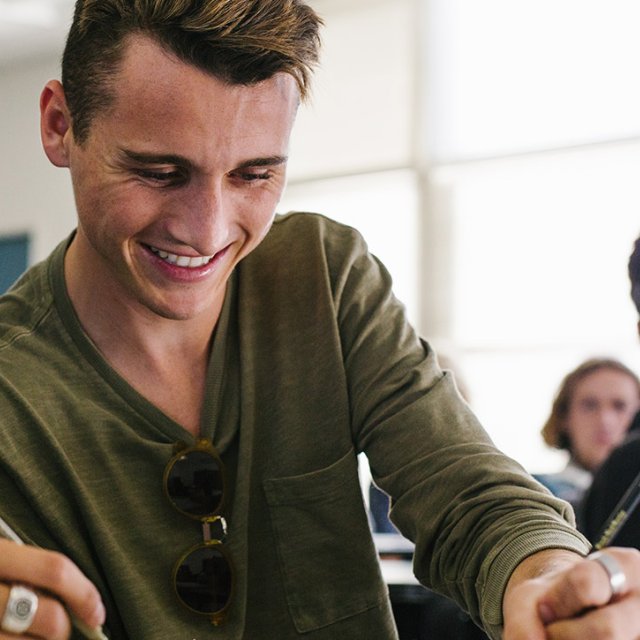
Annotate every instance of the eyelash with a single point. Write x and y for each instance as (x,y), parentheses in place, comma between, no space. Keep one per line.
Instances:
(176,176)
(251,177)
(160,176)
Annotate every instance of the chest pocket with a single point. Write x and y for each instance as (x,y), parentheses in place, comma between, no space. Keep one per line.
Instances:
(327,557)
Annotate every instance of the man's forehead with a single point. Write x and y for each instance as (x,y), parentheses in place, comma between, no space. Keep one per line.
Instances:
(145,60)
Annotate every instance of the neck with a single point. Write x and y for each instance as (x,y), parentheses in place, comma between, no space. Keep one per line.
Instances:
(164,359)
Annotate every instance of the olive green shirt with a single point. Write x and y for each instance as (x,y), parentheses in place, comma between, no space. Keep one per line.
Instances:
(313,362)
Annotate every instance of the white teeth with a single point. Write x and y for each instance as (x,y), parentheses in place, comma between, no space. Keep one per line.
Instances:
(182,261)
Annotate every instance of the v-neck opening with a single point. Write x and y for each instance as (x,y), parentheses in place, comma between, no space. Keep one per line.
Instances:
(155,419)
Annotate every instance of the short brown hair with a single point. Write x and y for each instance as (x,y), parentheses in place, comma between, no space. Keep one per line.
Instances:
(554,430)
(238,41)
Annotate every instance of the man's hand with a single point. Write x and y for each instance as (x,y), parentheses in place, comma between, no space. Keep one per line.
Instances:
(56,580)
(557,595)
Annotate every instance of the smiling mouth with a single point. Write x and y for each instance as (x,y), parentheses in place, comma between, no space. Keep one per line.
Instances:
(188,262)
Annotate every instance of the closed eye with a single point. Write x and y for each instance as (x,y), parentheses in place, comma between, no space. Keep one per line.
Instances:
(250,177)
(620,406)
(161,177)
(260,169)
(589,404)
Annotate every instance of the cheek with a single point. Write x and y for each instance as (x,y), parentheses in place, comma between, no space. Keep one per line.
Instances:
(258,214)
(122,210)
(264,228)
(579,427)
(624,420)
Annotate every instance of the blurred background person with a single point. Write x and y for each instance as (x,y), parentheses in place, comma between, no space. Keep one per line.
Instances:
(592,412)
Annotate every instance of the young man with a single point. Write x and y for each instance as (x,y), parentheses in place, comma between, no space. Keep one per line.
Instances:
(179,314)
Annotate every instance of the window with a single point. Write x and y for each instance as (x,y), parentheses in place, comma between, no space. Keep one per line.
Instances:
(13,259)
(500,142)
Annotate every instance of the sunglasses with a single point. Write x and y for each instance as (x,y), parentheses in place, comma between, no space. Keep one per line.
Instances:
(203,577)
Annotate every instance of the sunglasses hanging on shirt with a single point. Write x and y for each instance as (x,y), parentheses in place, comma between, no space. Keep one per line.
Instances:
(194,483)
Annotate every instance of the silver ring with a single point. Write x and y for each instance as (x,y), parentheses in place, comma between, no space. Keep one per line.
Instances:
(20,611)
(617,578)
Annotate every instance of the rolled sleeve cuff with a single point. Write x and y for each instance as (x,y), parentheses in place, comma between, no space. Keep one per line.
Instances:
(508,558)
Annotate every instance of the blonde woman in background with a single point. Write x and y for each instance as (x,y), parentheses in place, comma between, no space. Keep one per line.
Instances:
(591,414)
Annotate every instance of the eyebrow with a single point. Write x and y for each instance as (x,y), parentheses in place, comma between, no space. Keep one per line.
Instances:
(269,161)
(154,158)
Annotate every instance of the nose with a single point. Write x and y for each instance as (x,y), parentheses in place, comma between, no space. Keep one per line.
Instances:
(206,216)
(611,420)
(605,417)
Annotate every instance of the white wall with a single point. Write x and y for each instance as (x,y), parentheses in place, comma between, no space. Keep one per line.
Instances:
(361,117)
(35,197)
(353,143)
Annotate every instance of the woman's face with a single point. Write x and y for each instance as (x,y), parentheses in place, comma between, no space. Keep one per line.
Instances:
(600,412)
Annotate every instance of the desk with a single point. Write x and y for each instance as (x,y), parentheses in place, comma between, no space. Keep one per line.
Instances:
(396,562)
(393,544)
(420,614)
(407,595)
(403,586)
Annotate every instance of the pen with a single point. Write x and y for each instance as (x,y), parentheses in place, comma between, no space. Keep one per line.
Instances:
(618,517)
(90,634)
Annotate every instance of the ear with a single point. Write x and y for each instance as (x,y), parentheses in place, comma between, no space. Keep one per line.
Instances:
(55,123)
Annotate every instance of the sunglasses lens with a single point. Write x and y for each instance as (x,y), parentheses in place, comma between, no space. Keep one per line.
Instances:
(203,579)
(194,483)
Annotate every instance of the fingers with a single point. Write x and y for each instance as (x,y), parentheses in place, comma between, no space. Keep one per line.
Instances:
(618,620)
(527,586)
(575,602)
(587,585)
(51,620)
(57,575)
(521,617)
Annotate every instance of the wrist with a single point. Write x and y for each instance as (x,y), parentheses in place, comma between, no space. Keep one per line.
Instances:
(542,563)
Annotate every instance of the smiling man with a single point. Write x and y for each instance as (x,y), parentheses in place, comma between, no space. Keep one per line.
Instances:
(176,182)
(186,382)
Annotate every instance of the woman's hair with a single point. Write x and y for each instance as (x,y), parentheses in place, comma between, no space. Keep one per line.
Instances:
(238,41)
(554,432)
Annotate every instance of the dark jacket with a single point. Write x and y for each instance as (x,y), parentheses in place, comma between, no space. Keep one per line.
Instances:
(609,485)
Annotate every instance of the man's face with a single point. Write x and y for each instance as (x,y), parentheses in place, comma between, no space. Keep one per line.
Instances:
(177,181)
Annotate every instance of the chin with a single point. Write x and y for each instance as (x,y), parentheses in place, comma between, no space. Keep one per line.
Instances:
(179,314)
(174,311)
